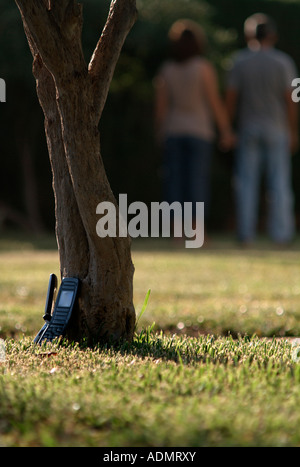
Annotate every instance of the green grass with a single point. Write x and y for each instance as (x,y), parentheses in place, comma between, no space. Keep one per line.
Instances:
(218,367)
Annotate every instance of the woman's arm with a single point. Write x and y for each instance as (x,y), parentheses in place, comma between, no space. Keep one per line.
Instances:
(218,108)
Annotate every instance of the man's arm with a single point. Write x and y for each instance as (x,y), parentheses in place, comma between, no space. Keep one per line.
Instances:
(218,108)
(231,98)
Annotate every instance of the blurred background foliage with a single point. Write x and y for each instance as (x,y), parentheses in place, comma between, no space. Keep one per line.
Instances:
(131,155)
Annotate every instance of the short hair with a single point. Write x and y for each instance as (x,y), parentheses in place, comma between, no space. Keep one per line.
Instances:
(187,39)
(259,26)
(266,29)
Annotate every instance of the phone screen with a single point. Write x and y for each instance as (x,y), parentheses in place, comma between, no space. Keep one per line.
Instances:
(65,299)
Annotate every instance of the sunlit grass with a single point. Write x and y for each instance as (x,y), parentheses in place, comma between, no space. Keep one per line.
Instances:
(218,291)
(208,373)
(159,391)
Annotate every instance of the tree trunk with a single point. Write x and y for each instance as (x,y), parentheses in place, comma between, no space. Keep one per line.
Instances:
(72,96)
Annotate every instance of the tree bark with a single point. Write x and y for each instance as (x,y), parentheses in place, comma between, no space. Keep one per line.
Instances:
(72,95)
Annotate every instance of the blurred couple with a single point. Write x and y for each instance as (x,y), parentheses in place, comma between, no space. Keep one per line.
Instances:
(257,118)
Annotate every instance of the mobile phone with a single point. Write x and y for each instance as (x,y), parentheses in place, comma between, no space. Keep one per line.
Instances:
(57,322)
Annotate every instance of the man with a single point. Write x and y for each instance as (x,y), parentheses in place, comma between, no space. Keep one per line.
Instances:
(258,97)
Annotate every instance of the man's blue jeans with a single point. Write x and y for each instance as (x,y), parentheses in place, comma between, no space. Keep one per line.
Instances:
(187,167)
(264,149)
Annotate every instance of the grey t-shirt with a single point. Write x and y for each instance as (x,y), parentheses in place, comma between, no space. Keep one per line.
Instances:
(261,79)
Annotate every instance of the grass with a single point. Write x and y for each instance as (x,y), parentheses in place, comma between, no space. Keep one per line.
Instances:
(218,368)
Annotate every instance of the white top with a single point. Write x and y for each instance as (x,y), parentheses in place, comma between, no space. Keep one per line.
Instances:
(189,112)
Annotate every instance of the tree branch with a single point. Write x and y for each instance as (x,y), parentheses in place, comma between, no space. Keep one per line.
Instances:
(51,25)
(122,15)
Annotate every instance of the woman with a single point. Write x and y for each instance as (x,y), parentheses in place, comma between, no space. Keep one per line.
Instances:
(188,108)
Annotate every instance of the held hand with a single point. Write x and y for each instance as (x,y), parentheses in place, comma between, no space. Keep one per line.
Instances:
(227,141)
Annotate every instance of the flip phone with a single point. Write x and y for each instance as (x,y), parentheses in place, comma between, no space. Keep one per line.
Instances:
(58,319)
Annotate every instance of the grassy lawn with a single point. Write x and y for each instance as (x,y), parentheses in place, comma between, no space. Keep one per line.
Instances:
(218,368)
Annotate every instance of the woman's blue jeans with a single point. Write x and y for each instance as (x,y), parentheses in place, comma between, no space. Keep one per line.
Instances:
(264,149)
(187,167)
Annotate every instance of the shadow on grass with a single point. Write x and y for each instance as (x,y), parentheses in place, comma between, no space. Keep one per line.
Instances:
(180,349)
(184,350)
(156,346)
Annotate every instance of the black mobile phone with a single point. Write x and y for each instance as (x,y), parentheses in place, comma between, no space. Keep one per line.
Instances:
(57,322)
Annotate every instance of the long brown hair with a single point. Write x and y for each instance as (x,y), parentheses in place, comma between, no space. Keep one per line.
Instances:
(187,40)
